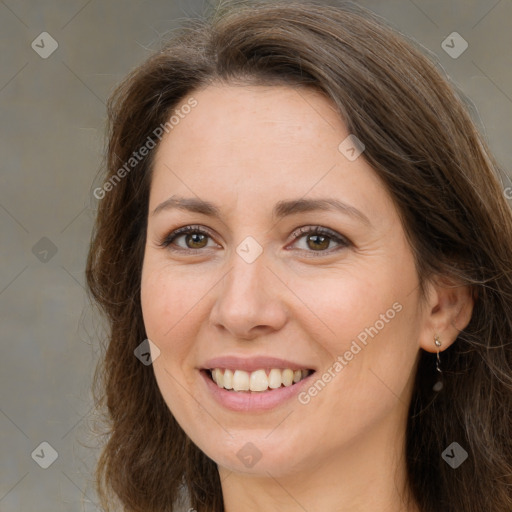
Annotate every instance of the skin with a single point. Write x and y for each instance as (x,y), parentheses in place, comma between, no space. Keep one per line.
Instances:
(245,148)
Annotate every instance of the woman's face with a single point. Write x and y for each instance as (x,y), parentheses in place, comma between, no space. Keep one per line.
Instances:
(250,292)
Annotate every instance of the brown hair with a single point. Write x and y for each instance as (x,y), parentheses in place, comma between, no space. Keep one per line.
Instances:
(421,141)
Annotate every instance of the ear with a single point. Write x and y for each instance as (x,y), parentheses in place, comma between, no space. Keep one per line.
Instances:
(447,311)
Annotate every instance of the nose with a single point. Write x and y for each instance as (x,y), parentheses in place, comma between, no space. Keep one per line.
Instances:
(250,300)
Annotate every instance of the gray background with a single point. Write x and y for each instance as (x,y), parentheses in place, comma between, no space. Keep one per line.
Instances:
(52,122)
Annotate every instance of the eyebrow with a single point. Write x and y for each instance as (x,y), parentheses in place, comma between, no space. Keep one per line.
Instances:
(281,209)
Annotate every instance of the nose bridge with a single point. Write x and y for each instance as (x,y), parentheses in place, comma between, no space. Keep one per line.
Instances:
(246,281)
(246,296)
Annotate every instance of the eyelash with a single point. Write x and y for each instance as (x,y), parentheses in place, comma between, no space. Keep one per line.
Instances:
(298,234)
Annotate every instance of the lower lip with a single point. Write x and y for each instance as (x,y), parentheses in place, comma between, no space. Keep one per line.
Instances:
(243,401)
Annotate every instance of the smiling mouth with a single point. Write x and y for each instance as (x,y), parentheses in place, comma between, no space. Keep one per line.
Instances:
(257,381)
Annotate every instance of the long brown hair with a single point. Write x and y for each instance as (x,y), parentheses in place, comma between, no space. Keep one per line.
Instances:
(444,182)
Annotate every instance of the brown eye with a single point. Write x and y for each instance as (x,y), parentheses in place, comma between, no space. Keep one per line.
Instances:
(318,239)
(317,242)
(195,238)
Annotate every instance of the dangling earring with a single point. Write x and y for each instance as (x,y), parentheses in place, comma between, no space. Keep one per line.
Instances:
(438,386)
(437,343)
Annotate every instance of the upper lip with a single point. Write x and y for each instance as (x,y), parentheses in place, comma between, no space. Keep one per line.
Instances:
(252,364)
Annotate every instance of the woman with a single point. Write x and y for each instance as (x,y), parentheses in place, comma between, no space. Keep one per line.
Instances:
(303,232)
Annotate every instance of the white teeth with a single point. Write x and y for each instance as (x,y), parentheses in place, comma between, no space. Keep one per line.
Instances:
(259,380)
(228,379)
(240,381)
(274,378)
(287,377)
(218,377)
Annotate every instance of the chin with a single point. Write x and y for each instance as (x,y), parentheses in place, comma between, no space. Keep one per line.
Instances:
(256,453)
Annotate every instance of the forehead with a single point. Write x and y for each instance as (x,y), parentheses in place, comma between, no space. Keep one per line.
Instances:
(240,120)
(259,144)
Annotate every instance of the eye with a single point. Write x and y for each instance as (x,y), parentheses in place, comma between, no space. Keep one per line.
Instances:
(195,238)
(318,239)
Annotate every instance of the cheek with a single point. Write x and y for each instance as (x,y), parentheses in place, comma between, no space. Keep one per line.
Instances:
(340,304)
(169,322)
(169,299)
(369,317)
(157,302)
(162,309)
